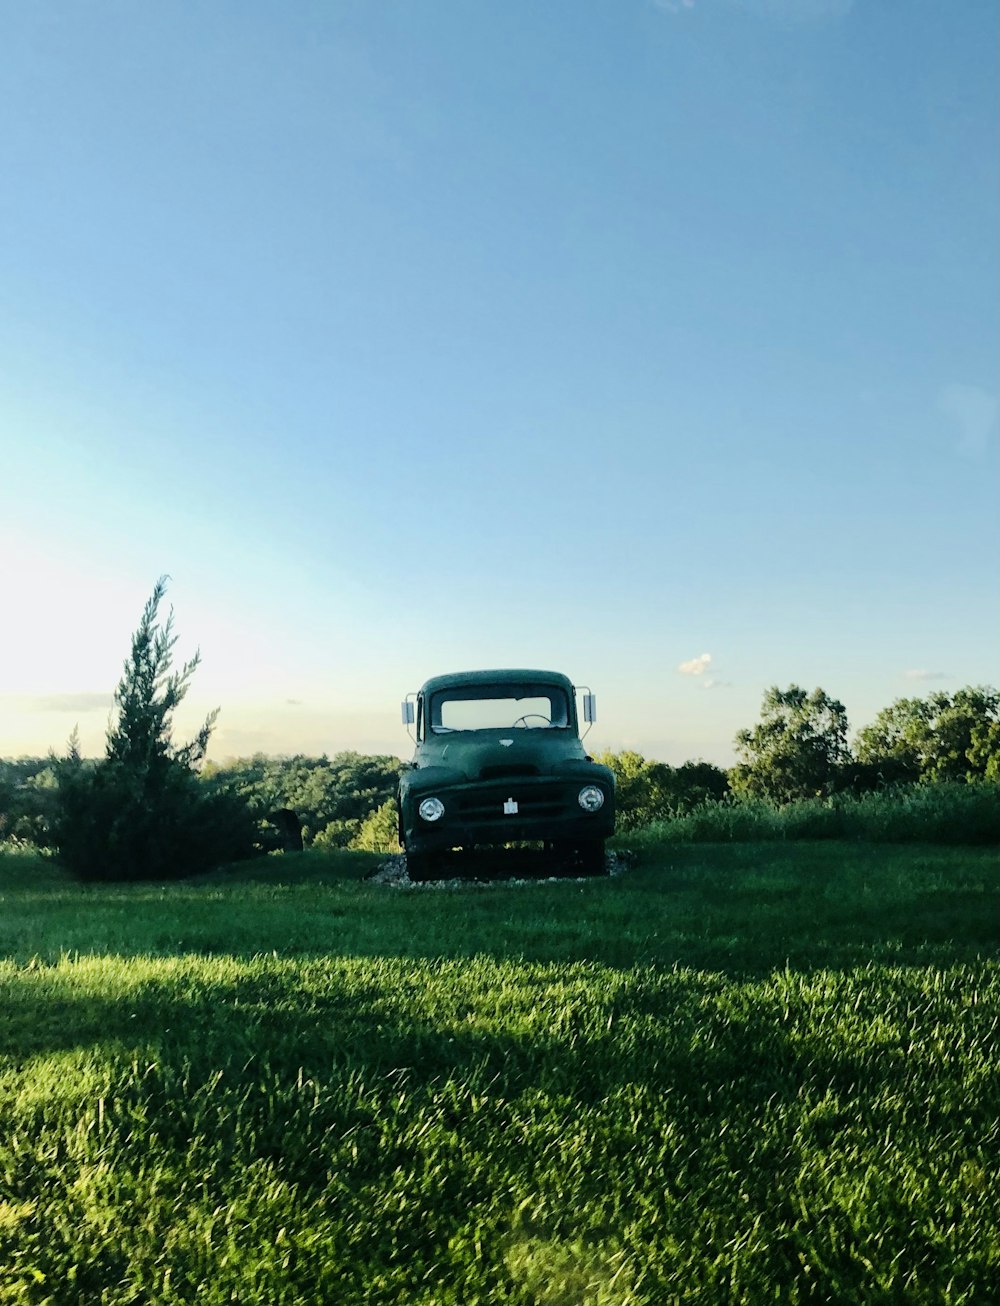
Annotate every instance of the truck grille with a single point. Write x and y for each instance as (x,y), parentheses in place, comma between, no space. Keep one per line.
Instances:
(532,800)
(504,772)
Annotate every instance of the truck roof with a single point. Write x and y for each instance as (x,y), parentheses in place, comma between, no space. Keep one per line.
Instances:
(505,676)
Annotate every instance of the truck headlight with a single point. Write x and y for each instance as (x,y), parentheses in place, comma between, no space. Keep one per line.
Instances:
(590,798)
(431,809)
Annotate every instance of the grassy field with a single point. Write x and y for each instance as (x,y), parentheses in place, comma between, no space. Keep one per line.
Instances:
(737,1074)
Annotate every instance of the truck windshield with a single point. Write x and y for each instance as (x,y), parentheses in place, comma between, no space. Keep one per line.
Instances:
(504,707)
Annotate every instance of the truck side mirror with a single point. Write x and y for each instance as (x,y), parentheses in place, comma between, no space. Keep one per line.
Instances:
(408,714)
(590,707)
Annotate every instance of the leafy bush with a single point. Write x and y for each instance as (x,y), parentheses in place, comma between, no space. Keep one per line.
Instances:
(648,791)
(118,823)
(379,832)
(27,788)
(336,834)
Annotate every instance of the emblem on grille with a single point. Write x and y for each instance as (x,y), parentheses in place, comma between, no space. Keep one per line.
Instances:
(506,743)
(510,807)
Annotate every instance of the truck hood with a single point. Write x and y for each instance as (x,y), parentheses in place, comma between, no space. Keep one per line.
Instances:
(496,754)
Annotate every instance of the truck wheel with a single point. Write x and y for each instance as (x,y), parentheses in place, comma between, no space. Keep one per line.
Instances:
(588,857)
(576,859)
(420,866)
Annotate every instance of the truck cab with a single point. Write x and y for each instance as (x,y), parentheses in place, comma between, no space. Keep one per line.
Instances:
(498,760)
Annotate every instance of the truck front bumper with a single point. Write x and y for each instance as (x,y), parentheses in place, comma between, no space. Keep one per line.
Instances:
(511,811)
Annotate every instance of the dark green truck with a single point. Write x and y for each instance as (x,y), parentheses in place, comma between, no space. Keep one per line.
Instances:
(499,760)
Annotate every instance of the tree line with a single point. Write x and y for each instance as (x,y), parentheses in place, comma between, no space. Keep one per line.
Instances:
(151,808)
(799,749)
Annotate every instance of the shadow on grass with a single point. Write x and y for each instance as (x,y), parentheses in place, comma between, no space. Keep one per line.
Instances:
(670,1031)
(740,910)
(478,1083)
(683,1040)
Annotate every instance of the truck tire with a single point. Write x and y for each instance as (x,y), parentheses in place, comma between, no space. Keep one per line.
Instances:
(421,866)
(576,859)
(588,858)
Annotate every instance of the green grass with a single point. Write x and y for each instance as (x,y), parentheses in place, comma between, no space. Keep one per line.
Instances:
(738,1074)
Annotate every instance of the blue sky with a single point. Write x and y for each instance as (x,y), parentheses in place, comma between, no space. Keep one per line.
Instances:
(411,337)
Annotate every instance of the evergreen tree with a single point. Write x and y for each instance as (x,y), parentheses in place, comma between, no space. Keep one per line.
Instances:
(141,812)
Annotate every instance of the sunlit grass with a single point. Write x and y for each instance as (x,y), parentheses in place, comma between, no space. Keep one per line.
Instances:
(732,1075)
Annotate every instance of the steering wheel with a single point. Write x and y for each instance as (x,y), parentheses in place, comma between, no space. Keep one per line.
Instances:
(528,716)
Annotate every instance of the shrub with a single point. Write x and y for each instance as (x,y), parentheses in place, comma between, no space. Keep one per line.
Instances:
(115,823)
(336,834)
(648,791)
(27,788)
(379,832)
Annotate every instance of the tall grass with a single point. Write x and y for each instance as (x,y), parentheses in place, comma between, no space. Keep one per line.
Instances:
(960,814)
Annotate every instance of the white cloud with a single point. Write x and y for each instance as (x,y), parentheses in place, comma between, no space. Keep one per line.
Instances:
(709,683)
(972,416)
(695,666)
(926,675)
